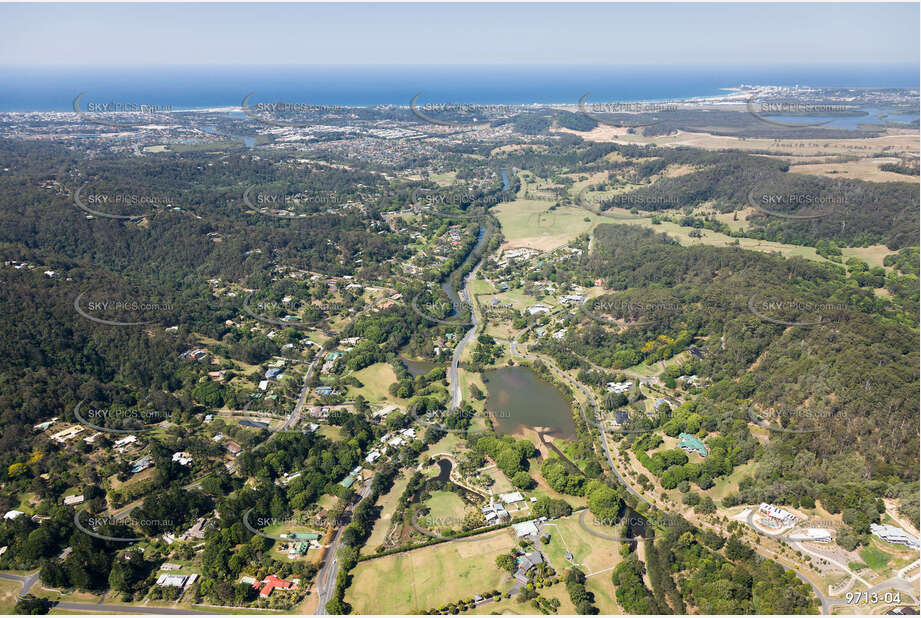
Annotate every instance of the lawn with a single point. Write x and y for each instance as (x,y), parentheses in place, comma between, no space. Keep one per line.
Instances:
(725,485)
(592,554)
(449,444)
(603,588)
(445,506)
(445,179)
(479,286)
(388,504)
(330,432)
(376,379)
(875,558)
(501,484)
(529,223)
(8,591)
(414,581)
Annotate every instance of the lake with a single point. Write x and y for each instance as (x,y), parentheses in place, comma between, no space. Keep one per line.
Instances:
(417,368)
(518,398)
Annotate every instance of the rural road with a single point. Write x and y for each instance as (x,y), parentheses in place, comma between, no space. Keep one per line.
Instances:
(27,581)
(326,576)
(128,609)
(459,350)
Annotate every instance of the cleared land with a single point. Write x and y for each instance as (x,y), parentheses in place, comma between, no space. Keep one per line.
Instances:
(528,223)
(895,142)
(375,378)
(417,580)
(592,554)
(388,503)
(8,591)
(862,169)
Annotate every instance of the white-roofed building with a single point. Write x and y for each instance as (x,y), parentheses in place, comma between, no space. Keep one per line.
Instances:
(891,534)
(173,580)
(777,513)
(526,528)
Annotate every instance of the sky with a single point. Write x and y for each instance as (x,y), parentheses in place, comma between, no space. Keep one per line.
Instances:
(471,34)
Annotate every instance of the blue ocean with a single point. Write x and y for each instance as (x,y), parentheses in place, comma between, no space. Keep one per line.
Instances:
(195,87)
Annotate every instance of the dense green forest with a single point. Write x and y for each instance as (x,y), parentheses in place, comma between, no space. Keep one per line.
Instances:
(843,389)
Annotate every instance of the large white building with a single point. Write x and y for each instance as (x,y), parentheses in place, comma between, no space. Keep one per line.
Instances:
(891,534)
(778,513)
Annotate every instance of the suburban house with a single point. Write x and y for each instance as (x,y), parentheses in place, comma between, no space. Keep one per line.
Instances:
(526,563)
(63,436)
(123,442)
(142,464)
(494,513)
(182,458)
(270,583)
(197,531)
(690,444)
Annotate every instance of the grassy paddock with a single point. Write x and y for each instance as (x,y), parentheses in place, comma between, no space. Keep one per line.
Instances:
(431,576)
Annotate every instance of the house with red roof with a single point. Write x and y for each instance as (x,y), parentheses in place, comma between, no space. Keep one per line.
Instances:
(270,583)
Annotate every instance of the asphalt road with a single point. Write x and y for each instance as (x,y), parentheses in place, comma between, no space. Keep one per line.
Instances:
(27,581)
(455,358)
(326,576)
(129,609)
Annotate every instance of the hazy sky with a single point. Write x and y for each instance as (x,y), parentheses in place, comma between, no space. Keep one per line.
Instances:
(158,34)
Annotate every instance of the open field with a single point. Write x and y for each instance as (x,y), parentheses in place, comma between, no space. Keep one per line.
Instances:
(388,503)
(590,553)
(444,179)
(8,591)
(862,169)
(445,506)
(519,300)
(417,580)
(603,588)
(376,378)
(896,142)
(872,255)
(527,223)
(716,239)
(448,444)
(726,485)
(330,432)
